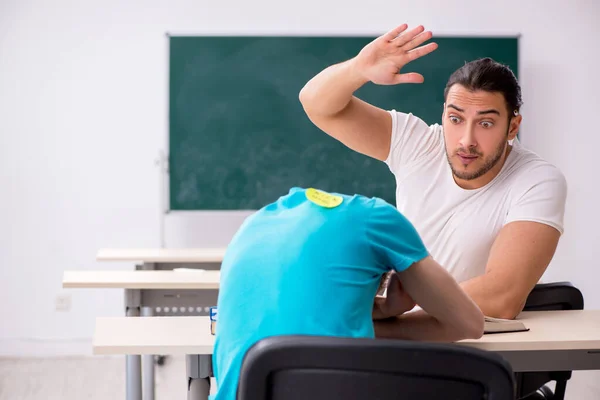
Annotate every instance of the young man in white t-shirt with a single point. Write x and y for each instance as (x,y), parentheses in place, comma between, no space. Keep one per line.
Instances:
(489,210)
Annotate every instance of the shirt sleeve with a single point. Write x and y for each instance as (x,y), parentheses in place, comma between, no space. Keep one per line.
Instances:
(540,197)
(412,139)
(393,238)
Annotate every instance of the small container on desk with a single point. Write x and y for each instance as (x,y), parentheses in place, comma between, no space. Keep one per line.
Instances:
(213,319)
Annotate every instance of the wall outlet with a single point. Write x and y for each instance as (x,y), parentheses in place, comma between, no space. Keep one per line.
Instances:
(63,302)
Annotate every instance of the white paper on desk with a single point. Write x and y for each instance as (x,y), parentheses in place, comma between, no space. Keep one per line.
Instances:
(492,319)
(499,325)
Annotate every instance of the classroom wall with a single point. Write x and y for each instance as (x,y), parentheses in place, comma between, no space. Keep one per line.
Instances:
(83,118)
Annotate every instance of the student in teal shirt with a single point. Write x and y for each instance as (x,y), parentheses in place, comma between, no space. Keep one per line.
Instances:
(311,263)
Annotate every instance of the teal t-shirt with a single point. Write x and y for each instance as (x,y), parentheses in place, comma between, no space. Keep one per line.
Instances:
(297,267)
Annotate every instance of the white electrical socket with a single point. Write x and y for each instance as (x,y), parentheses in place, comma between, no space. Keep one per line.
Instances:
(63,302)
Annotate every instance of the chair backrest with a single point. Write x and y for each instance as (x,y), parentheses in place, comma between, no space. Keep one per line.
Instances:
(548,297)
(554,296)
(328,368)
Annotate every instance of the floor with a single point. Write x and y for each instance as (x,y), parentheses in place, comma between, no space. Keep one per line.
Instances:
(78,378)
(96,378)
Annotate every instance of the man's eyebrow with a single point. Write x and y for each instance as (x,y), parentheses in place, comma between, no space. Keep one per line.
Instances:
(482,112)
(455,107)
(490,111)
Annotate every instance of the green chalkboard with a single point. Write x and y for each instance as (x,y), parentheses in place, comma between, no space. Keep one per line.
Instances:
(238,136)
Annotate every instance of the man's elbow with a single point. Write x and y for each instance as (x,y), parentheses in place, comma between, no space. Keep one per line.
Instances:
(506,314)
(506,308)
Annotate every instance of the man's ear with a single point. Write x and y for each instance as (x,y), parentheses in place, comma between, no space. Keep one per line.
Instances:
(515,123)
(443,110)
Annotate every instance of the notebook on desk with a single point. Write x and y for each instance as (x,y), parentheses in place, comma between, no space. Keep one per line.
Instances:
(499,325)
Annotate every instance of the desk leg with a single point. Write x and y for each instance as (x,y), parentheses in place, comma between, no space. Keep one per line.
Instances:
(148,365)
(147,360)
(199,370)
(133,369)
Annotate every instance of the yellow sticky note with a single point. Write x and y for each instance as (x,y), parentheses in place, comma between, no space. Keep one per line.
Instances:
(323,199)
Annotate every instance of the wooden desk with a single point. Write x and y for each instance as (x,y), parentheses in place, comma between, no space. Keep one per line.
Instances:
(196,255)
(158,292)
(153,335)
(142,279)
(159,259)
(557,340)
(208,259)
(549,330)
(154,292)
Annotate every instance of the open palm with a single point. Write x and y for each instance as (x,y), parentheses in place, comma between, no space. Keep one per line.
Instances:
(381,60)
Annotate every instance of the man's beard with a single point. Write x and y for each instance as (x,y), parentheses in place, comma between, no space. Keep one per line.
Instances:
(488,164)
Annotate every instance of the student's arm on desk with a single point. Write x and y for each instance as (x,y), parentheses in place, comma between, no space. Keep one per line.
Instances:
(518,258)
(448,313)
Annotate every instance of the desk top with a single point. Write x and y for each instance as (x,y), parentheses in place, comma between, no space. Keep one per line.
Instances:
(143,279)
(549,330)
(153,335)
(199,255)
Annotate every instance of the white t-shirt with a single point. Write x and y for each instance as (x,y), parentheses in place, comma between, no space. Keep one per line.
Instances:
(459,226)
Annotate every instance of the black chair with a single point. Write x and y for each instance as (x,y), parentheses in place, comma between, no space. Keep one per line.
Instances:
(327,368)
(546,297)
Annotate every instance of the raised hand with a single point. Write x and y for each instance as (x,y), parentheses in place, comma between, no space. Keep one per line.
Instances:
(381,60)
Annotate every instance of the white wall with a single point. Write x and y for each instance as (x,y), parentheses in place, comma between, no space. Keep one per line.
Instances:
(83,116)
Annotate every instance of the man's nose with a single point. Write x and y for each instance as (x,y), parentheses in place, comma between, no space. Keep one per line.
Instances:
(467,140)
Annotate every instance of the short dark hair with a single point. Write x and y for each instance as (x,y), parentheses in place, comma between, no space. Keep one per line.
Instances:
(490,76)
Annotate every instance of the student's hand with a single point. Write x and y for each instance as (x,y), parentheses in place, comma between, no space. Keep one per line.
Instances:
(396,301)
(381,60)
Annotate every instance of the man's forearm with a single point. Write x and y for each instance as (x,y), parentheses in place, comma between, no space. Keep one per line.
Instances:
(493,299)
(330,91)
(417,325)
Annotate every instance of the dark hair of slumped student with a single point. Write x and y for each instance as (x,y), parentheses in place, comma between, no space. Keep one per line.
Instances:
(490,76)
